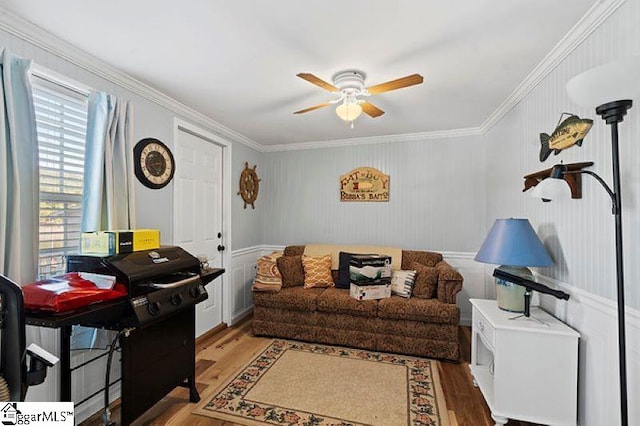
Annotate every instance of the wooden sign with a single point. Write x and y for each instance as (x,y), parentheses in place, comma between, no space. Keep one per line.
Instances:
(364,184)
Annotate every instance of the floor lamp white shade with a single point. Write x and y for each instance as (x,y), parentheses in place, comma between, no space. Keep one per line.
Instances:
(611,82)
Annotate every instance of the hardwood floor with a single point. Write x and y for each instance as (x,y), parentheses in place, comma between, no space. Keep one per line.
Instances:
(219,355)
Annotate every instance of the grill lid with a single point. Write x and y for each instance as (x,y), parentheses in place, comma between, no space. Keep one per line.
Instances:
(138,266)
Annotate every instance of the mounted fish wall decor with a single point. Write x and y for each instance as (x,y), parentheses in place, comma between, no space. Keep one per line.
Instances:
(569,132)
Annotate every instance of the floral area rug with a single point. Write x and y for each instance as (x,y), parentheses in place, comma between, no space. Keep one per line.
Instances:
(296,383)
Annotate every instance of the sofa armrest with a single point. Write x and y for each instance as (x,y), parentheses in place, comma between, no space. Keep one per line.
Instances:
(449,282)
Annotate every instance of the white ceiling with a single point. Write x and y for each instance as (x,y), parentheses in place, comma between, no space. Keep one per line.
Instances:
(236,61)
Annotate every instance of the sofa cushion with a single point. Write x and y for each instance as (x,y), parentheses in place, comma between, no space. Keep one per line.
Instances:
(291,269)
(427,258)
(425,310)
(426,281)
(317,271)
(268,276)
(338,301)
(293,250)
(296,298)
(402,282)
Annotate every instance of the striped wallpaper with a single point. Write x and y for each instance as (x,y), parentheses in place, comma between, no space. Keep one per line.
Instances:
(436,196)
(578,233)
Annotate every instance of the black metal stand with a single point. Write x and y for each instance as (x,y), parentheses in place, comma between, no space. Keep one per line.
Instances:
(527,309)
(527,302)
(613,113)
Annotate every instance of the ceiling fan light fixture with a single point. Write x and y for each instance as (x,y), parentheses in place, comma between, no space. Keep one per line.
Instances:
(349,85)
(349,111)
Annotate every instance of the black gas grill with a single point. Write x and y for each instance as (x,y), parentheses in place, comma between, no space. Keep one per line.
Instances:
(158,351)
(160,282)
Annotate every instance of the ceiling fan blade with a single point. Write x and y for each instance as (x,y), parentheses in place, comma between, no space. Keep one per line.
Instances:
(313,108)
(371,110)
(407,81)
(318,82)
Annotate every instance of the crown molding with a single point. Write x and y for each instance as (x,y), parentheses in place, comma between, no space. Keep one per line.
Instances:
(29,32)
(594,17)
(25,30)
(370,140)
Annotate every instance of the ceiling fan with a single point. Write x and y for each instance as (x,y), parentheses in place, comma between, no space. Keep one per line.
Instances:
(349,85)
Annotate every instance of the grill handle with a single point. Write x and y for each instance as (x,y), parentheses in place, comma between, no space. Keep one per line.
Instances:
(176,284)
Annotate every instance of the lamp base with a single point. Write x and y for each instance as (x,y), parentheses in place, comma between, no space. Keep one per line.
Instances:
(510,296)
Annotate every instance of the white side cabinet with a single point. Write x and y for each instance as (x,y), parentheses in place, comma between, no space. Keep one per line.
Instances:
(526,370)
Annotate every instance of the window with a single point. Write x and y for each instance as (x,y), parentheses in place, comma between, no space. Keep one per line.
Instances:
(61,119)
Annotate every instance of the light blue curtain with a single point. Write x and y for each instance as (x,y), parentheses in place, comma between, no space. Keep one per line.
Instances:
(19,178)
(108,200)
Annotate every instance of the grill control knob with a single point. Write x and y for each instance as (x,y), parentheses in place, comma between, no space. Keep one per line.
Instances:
(176,299)
(194,292)
(153,308)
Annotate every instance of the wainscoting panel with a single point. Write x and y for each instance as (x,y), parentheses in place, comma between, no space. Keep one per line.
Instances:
(243,271)
(90,379)
(475,285)
(595,318)
(84,381)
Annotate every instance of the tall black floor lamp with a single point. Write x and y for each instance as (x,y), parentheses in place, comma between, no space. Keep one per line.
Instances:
(619,81)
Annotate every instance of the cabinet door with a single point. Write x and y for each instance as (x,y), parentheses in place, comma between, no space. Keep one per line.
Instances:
(535,377)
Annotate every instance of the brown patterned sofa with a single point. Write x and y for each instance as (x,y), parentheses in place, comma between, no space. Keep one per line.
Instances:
(413,326)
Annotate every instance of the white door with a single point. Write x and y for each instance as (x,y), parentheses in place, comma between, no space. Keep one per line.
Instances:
(197,208)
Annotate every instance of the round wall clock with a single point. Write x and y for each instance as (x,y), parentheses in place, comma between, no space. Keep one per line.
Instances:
(249,185)
(154,163)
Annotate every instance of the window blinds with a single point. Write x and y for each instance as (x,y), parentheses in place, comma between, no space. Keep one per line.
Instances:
(61,119)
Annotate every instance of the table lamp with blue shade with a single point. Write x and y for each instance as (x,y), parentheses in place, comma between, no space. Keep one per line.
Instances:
(514,245)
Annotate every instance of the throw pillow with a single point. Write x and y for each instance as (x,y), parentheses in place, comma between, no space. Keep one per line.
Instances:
(402,282)
(290,268)
(317,271)
(268,276)
(426,281)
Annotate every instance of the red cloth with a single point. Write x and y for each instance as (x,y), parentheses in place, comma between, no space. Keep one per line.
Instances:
(67,292)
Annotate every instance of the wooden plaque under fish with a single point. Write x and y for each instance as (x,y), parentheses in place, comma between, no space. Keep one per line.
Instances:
(569,132)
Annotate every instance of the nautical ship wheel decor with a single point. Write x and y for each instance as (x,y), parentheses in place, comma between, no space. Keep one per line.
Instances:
(249,185)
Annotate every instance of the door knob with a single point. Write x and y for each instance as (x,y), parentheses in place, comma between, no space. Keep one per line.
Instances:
(221,247)
(219,234)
